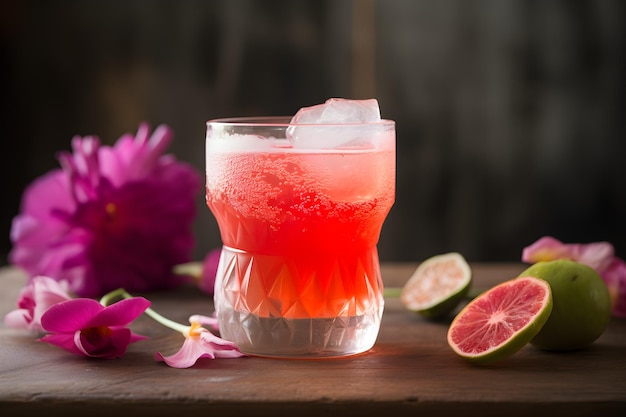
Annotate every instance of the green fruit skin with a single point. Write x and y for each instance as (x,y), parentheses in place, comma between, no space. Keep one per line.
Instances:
(581,305)
(446,307)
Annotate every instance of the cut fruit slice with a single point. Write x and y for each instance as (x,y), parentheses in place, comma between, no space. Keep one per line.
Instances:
(501,320)
(438,285)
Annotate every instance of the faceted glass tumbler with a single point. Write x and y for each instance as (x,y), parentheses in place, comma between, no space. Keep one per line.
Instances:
(299,273)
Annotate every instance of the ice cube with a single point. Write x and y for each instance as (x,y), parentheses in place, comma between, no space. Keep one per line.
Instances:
(333,116)
(340,110)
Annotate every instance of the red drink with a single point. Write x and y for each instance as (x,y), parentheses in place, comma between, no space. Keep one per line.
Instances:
(299,229)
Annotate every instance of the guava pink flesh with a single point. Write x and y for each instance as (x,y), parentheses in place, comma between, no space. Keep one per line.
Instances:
(494,318)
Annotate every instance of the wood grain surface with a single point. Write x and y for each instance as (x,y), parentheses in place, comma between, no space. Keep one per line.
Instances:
(410,370)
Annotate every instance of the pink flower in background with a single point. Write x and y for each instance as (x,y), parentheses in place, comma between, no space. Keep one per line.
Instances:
(615,277)
(209,271)
(34,299)
(202,273)
(200,343)
(112,217)
(598,255)
(85,327)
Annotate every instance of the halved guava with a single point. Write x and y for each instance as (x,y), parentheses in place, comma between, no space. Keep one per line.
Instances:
(438,285)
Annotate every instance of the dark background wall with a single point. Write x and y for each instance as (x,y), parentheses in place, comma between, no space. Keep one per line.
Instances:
(510,114)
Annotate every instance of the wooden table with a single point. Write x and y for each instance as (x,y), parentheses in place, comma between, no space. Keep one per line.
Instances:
(410,370)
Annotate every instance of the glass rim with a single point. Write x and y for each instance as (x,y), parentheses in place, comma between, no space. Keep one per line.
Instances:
(284,121)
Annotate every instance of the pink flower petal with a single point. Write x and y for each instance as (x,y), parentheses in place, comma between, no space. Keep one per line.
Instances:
(47,292)
(35,298)
(70,316)
(597,255)
(187,356)
(62,340)
(545,249)
(18,319)
(615,278)
(201,343)
(204,320)
(221,348)
(120,313)
(50,189)
(103,342)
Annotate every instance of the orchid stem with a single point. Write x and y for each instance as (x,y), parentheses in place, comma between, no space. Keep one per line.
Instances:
(122,293)
(392,292)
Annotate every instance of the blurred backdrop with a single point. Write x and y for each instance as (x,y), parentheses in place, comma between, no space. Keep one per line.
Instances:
(510,114)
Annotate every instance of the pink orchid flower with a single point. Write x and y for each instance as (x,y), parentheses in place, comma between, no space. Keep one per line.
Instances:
(598,255)
(111,217)
(199,343)
(34,299)
(85,327)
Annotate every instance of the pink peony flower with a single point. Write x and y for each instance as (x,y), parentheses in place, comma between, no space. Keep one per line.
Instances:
(598,255)
(34,299)
(200,343)
(85,327)
(112,217)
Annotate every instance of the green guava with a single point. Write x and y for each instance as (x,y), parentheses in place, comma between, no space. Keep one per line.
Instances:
(581,305)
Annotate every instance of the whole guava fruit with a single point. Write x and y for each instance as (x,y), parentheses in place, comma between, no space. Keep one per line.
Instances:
(581,307)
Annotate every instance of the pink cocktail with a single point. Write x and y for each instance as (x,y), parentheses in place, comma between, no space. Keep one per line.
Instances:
(299,273)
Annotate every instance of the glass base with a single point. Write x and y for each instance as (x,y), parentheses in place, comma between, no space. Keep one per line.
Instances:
(291,332)
(299,338)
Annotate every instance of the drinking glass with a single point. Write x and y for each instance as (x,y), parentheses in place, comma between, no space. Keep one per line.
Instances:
(299,217)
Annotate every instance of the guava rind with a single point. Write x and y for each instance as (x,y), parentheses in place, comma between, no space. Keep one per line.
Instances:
(446,305)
